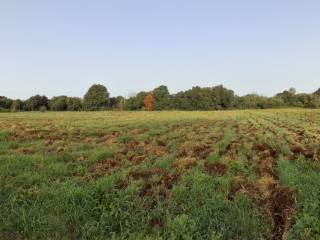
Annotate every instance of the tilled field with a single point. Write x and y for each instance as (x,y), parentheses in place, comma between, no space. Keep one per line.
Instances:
(160,175)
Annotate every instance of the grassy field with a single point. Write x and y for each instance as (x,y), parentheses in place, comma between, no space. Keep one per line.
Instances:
(160,175)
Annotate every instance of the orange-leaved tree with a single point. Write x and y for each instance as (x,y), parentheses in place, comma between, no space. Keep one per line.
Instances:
(149,101)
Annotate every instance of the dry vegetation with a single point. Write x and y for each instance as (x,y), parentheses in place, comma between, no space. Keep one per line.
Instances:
(160,175)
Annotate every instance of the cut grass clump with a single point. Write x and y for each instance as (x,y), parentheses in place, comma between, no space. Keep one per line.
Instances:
(101,154)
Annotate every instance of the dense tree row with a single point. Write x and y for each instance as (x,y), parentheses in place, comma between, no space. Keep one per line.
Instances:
(197,98)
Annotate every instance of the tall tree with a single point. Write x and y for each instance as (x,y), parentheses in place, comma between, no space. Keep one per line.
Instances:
(17,105)
(161,98)
(288,97)
(35,102)
(117,103)
(58,103)
(74,104)
(97,98)
(135,102)
(222,98)
(5,102)
(317,92)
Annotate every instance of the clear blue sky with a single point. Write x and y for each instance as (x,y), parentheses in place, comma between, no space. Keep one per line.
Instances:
(63,46)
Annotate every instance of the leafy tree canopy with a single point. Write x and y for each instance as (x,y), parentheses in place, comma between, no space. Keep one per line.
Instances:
(96,98)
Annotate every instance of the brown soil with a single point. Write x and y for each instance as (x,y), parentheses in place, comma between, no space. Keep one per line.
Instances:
(157,222)
(102,168)
(122,184)
(132,144)
(138,159)
(199,151)
(298,150)
(158,188)
(26,150)
(276,200)
(60,149)
(244,187)
(168,180)
(145,174)
(282,202)
(215,169)
(184,163)
(161,142)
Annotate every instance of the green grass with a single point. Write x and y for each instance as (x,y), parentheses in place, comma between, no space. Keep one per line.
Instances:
(157,175)
(304,178)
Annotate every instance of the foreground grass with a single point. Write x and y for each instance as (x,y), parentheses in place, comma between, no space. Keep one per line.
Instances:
(160,175)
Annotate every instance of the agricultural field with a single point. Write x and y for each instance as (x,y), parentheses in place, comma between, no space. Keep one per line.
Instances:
(251,174)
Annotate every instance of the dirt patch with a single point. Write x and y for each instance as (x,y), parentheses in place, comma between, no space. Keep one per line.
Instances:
(243,187)
(298,150)
(282,206)
(103,168)
(263,148)
(138,159)
(158,151)
(51,139)
(146,190)
(48,142)
(168,180)
(215,169)
(132,144)
(160,187)
(60,149)
(184,163)
(122,184)
(145,174)
(199,151)
(156,222)
(26,150)
(276,200)
(105,138)
(266,167)
(161,143)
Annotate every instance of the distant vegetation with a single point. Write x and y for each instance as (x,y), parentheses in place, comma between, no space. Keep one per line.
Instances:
(197,98)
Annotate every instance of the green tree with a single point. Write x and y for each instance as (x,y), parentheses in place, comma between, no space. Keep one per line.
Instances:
(74,104)
(135,102)
(5,103)
(58,103)
(117,103)
(288,97)
(313,101)
(252,101)
(97,98)
(17,105)
(317,92)
(161,97)
(35,102)
(222,98)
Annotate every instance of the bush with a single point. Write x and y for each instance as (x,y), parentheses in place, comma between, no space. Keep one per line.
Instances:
(43,109)
(3,109)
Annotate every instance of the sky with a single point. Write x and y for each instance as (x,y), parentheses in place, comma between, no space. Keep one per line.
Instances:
(59,47)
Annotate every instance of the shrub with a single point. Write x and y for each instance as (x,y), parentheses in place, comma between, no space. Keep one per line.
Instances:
(43,109)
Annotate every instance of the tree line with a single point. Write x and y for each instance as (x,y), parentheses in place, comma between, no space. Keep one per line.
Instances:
(197,98)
